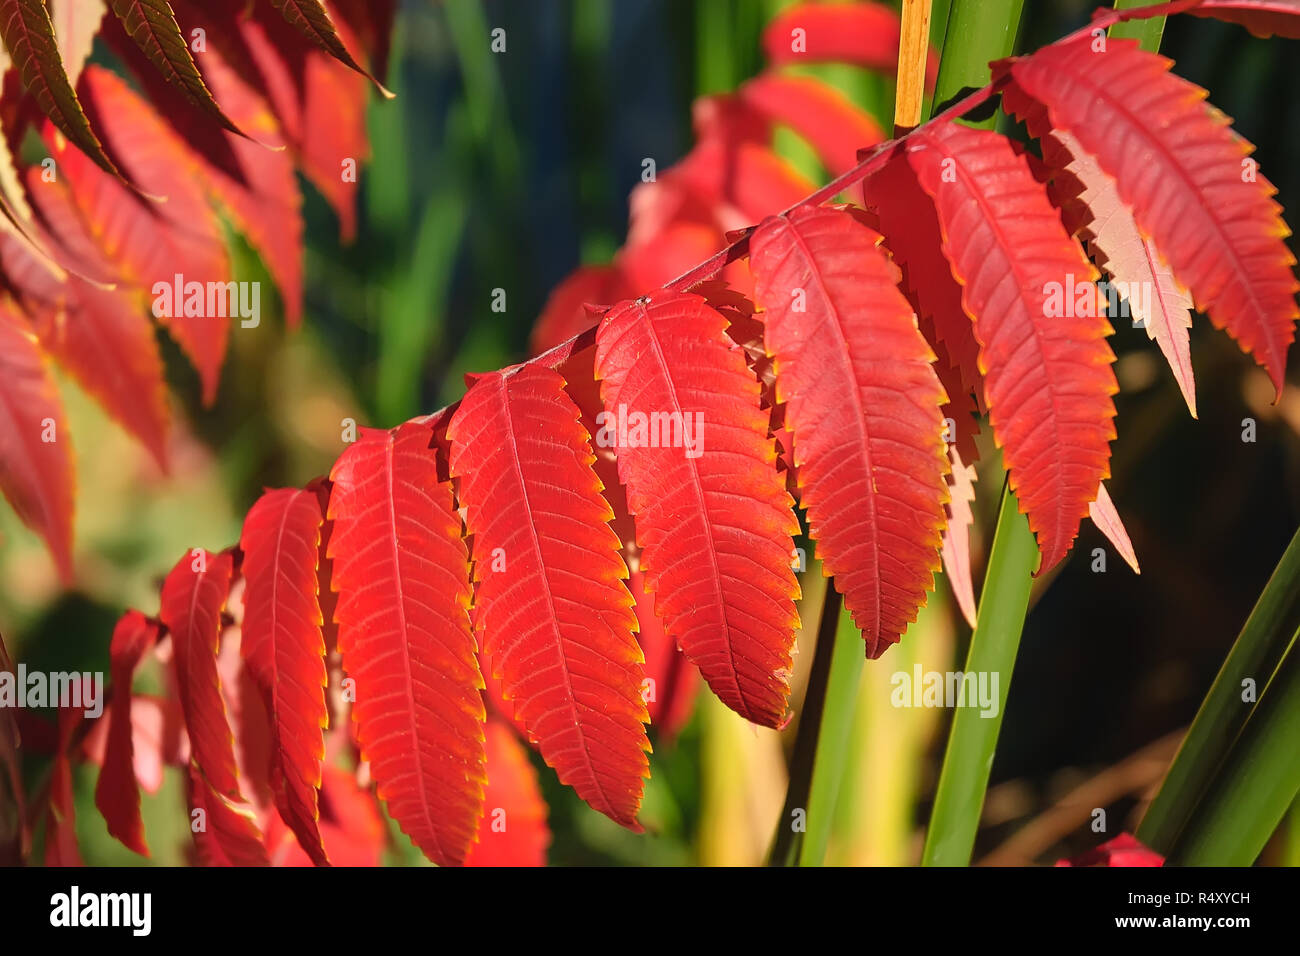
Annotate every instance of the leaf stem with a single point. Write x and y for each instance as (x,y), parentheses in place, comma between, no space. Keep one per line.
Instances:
(968,758)
(786,846)
(835,730)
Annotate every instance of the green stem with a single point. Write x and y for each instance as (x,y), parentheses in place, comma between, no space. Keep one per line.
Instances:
(834,733)
(790,829)
(978,31)
(1255,655)
(1147,32)
(986,30)
(968,759)
(1256,784)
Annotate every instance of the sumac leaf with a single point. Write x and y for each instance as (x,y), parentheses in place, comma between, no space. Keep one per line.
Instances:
(550,602)
(283,647)
(401,571)
(1047,368)
(117,792)
(714,522)
(862,401)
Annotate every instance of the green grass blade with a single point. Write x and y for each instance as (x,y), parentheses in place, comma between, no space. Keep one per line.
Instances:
(968,759)
(1256,784)
(1255,655)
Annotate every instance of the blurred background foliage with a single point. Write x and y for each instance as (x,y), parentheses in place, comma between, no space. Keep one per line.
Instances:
(506,171)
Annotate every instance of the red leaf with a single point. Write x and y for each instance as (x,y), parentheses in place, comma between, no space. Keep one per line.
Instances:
(28,35)
(670,682)
(152,25)
(102,337)
(253,180)
(1187,178)
(1264,18)
(158,738)
(911,228)
(1047,377)
(713,519)
(350,826)
(865,34)
(192,600)
(320,104)
(35,474)
(61,813)
(1124,850)
(284,649)
(550,602)
(153,242)
(224,834)
(513,831)
(821,114)
(312,20)
(107,342)
(117,792)
(867,431)
(371,22)
(402,577)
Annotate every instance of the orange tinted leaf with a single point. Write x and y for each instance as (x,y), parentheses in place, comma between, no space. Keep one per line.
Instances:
(402,577)
(283,647)
(1047,376)
(334,134)
(1189,180)
(513,831)
(550,602)
(35,453)
(868,441)
(117,792)
(713,519)
(193,597)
